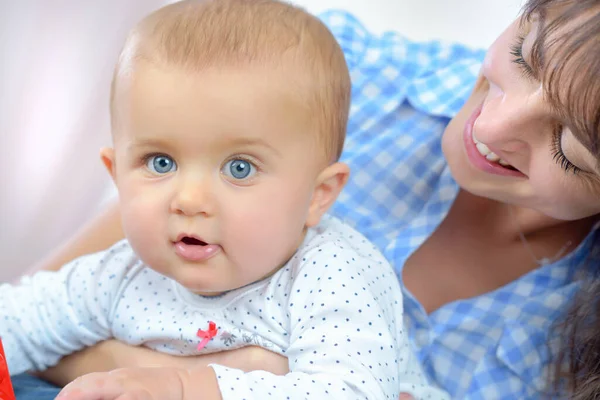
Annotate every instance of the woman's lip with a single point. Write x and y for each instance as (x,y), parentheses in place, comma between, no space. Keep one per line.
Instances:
(475,158)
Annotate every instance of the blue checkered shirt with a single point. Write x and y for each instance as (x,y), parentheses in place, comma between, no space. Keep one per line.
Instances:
(493,346)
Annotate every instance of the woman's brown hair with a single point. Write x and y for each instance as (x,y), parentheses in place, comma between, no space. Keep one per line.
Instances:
(578,365)
(567,54)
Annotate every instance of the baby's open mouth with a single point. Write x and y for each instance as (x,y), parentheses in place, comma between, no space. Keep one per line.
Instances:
(193,241)
(191,248)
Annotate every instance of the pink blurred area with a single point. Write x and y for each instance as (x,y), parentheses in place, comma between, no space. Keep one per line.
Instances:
(57,61)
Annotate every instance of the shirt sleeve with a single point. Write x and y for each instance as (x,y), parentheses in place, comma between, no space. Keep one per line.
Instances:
(345,316)
(52,314)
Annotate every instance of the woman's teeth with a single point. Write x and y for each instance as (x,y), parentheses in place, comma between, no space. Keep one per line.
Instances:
(488,154)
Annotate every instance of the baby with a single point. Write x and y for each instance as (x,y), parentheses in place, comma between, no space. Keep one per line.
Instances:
(228,120)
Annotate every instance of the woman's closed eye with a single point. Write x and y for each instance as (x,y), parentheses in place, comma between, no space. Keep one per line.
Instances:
(558,154)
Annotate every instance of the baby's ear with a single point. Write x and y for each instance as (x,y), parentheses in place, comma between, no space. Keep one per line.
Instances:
(330,183)
(107,155)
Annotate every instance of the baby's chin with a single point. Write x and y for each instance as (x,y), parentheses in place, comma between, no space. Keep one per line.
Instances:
(209,293)
(202,286)
(207,286)
(239,285)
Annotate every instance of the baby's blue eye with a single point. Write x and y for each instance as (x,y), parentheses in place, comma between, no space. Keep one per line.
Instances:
(239,169)
(161,164)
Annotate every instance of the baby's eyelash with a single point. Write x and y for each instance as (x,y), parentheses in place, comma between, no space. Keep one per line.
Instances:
(248,159)
(143,159)
(516,50)
(557,153)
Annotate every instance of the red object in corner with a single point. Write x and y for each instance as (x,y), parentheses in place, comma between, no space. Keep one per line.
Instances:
(6,389)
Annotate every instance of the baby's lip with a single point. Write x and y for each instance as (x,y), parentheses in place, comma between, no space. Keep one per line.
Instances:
(191,239)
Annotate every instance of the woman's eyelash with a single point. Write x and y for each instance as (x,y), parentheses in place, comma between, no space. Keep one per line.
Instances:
(516,50)
(557,153)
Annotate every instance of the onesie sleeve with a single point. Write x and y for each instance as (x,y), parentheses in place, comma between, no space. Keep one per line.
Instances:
(52,314)
(346,337)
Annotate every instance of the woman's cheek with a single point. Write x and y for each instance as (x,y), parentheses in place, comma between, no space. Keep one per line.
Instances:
(563,198)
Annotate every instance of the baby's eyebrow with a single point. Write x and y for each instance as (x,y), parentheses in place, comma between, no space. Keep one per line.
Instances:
(253,142)
(146,142)
(225,141)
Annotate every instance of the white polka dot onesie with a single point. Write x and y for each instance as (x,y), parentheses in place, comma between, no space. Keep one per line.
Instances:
(334,310)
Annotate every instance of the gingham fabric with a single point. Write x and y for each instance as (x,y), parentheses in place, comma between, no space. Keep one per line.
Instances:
(490,347)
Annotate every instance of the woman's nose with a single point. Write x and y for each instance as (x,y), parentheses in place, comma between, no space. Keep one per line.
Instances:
(513,107)
(509,122)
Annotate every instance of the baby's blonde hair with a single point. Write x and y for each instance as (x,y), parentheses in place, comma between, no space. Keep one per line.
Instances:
(199,34)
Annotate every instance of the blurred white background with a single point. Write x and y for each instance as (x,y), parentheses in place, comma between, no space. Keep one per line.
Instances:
(57,60)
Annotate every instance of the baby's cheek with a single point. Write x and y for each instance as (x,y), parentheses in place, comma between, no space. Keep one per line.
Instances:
(267,236)
(145,227)
(141,205)
(136,222)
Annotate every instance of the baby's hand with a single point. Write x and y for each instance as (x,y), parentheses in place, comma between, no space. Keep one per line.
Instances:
(159,383)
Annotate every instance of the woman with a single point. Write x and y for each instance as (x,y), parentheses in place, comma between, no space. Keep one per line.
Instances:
(487,237)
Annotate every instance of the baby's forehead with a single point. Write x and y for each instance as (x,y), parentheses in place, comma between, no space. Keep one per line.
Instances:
(276,88)
(149,81)
(227,101)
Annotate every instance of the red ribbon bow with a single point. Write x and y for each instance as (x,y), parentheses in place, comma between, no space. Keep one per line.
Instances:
(206,336)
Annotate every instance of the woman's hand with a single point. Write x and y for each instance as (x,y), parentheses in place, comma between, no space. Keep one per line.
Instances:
(250,358)
(113,354)
(158,383)
(100,233)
